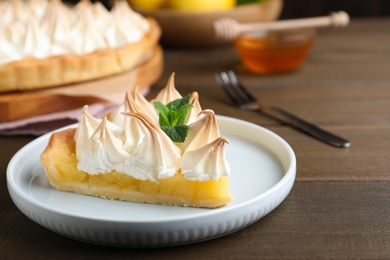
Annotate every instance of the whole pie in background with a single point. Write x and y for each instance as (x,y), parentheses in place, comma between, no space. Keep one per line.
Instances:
(47,43)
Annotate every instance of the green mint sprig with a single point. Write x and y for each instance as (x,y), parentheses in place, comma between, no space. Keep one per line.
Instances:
(172,117)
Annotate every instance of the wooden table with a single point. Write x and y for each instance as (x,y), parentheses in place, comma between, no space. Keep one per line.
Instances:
(339,206)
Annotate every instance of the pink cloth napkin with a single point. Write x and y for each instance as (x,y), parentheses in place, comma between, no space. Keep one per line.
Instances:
(45,123)
(40,125)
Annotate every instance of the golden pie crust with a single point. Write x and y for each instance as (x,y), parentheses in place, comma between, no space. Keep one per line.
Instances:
(32,73)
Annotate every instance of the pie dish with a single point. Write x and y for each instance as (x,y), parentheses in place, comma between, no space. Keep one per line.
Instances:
(81,43)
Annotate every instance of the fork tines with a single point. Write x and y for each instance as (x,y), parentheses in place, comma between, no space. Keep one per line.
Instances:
(241,97)
(233,88)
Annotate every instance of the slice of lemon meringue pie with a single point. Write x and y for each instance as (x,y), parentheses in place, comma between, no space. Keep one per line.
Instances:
(47,43)
(167,151)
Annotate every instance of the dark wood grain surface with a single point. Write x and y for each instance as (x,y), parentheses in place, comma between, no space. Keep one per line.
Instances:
(339,206)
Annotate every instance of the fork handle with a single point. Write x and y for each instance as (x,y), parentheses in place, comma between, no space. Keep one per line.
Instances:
(304,126)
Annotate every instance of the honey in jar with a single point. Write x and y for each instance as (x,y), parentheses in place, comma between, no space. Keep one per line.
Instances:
(275,52)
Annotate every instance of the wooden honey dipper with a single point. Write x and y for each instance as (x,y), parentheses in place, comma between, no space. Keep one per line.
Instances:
(229,29)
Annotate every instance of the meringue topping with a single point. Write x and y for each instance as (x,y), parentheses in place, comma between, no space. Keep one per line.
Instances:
(41,29)
(169,93)
(194,113)
(206,163)
(102,152)
(33,43)
(87,126)
(202,131)
(134,102)
(141,105)
(156,157)
(133,143)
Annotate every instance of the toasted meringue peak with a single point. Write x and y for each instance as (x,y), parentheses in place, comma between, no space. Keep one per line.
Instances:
(127,106)
(8,52)
(133,134)
(37,7)
(87,38)
(201,132)
(156,157)
(55,23)
(195,112)
(130,105)
(7,12)
(125,20)
(101,152)
(143,106)
(169,93)
(206,163)
(83,5)
(148,124)
(104,15)
(87,125)
(117,116)
(123,12)
(111,141)
(20,13)
(134,102)
(34,43)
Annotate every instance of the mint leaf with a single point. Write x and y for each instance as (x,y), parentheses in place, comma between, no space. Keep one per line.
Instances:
(177,133)
(163,113)
(177,103)
(182,113)
(161,107)
(172,117)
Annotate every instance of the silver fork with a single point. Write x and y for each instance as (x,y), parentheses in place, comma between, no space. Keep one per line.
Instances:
(242,98)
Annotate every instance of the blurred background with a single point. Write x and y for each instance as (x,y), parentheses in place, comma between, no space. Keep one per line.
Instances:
(308,8)
(355,8)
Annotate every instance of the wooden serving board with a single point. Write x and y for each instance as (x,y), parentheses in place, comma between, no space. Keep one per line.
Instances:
(21,105)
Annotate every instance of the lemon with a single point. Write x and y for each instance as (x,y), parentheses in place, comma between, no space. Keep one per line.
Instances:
(201,5)
(147,5)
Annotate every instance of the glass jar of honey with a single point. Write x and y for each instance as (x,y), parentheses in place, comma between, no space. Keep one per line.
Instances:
(275,51)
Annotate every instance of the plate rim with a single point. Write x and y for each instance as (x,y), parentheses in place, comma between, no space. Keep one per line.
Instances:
(287,178)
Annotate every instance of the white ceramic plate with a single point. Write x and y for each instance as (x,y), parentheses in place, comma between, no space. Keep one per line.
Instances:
(263,168)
